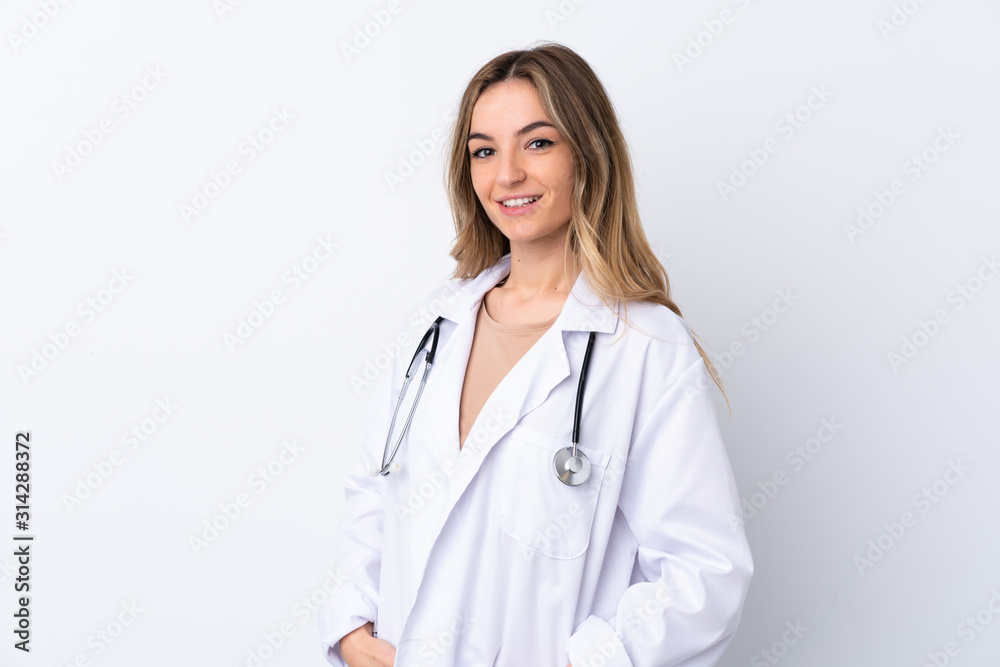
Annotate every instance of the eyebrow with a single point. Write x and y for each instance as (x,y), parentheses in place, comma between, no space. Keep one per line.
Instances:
(524,130)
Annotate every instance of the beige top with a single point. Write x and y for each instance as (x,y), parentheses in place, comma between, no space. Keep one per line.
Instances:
(496,348)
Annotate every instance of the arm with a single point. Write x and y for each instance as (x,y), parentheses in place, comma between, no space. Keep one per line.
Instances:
(680,501)
(358,554)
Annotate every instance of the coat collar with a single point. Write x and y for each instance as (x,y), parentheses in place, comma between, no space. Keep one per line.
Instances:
(583,310)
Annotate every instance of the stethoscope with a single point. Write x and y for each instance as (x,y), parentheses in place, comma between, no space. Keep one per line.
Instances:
(572,466)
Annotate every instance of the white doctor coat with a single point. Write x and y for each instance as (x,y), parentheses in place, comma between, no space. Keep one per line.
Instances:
(481,556)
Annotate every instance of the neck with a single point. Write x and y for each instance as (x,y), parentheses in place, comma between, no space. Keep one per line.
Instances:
(536,269)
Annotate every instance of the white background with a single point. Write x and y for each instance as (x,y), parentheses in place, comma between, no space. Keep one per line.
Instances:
(358,118)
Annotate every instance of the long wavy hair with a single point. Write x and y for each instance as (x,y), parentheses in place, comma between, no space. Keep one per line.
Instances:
(605,234)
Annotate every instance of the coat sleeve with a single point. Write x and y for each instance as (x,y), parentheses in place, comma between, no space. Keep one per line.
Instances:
(681,503)
(358,554)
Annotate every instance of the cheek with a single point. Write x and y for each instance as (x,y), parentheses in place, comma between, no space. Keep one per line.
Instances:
(479,185)
(564,183)
(481,174)
(563,176)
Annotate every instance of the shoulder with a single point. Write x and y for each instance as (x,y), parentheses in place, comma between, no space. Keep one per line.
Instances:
(447,290)
(450,288)
(657,324)
(447,297)
(666,336)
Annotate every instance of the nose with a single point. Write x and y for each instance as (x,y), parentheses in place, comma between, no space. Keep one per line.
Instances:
(510,170)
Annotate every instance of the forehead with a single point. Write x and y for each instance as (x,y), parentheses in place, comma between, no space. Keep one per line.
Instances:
(508,103)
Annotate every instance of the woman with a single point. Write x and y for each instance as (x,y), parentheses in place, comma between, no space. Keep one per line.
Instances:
(481,546)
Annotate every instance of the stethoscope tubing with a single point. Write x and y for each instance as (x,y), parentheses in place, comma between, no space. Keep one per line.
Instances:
(432,332)
(579,391)
(571,466)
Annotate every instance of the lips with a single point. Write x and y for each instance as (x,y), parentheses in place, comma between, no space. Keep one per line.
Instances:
(518,210)
(521,198)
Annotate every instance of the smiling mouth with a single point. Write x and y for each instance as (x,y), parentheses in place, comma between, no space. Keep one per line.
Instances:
(520,203)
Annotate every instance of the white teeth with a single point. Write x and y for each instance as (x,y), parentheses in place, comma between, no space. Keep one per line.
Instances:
(519,202)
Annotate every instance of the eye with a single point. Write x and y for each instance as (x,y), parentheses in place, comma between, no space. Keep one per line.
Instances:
(538,143)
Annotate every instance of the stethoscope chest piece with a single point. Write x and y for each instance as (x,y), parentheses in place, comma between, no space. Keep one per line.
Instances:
(570,469)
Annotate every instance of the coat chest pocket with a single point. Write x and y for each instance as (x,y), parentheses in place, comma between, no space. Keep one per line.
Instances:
(544,515)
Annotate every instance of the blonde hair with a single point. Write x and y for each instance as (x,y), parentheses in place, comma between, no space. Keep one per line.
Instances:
(605,234)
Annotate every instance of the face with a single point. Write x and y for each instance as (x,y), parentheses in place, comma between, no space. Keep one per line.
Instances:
(517,154)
